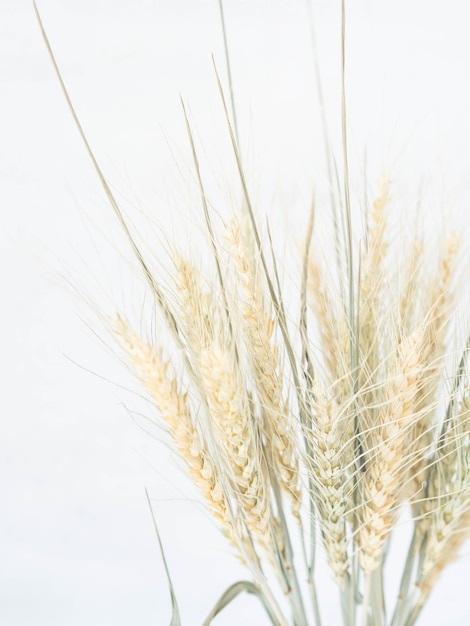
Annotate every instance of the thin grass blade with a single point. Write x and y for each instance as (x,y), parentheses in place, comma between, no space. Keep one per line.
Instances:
(175,614)
(232,592)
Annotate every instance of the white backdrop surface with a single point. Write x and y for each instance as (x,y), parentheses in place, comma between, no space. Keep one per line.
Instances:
(76,540)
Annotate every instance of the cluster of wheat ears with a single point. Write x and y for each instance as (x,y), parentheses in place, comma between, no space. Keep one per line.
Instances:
(329,421)
(339,427)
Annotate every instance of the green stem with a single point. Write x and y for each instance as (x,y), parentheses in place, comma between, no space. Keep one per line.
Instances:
(295,597)
(345,602)
(314,600)
(377,600)
(405,581)
(366,599)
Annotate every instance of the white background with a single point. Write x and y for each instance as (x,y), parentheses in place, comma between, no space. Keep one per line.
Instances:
(76,540)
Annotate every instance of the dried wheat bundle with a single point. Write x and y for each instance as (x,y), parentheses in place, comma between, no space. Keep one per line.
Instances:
(342,423)
(329,429)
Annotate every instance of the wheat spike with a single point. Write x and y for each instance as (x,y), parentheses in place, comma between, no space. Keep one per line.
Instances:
(386,454)
(258,328)
(153,373)
(448,497)
(328,472)
(232,434)
(434,349)
(237,437)
(372,306)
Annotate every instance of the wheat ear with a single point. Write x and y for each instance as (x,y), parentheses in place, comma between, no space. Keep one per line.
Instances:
(329,477)
(385,453)
(438,316)
(258,329)
(232,430)
(237,437)
(446,508)
(153,373)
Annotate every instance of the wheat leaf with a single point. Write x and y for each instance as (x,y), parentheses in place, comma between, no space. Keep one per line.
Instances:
(231,593)
(175,614)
